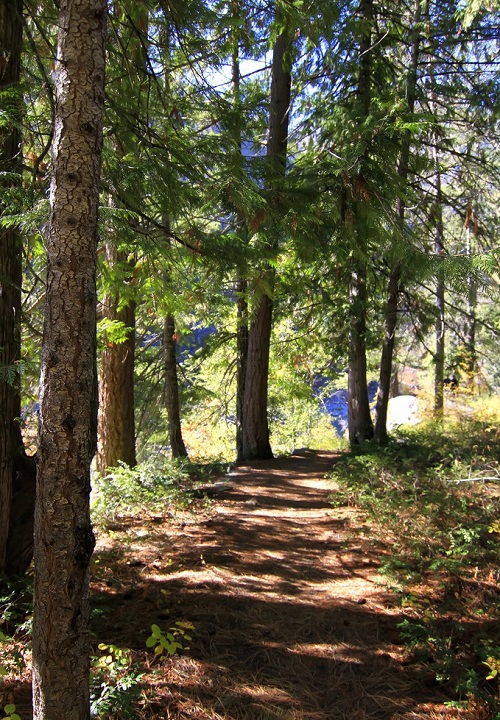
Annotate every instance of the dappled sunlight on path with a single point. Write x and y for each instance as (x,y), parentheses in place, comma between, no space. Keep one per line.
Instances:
(291,618)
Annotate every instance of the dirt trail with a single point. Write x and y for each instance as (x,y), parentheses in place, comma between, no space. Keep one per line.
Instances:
(290,619)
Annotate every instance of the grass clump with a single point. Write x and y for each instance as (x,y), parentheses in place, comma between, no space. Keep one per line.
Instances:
(432,500)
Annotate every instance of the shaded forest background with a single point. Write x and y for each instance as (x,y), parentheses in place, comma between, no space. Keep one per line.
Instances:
(370,231)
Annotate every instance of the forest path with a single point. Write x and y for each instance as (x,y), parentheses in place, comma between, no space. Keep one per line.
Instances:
(291,619)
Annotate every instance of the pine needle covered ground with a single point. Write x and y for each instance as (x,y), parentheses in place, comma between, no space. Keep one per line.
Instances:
(267,601)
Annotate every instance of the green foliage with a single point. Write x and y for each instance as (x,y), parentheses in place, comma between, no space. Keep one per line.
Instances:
(170,641)
(9,373)
(112,332)
(3,668)
(114,683)
(153,483)
(429,509)
(13,656)
(16,619)
(10,712)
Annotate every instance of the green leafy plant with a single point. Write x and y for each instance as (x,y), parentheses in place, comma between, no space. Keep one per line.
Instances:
(13,656)
(170,641)
(114,683)
(10,712)
(493,665)
(153,483)
(3,669)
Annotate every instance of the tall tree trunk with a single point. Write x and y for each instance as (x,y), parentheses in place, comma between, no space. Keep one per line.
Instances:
(241,361)
(241,285)
(360,424)
(116,423)
(393,290)
(17,470)
(255,431)
(384,384)
(64,540)
(177,445)
(439,354)
(439,251)
(470,360)
(172,402)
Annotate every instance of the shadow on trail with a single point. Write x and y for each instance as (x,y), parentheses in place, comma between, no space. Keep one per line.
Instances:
(281,629)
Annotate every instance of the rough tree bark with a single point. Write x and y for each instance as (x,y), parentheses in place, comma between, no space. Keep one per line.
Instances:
(64,540)
(17,470)
(360,424)
(241,285)
(116,423)
(255,429)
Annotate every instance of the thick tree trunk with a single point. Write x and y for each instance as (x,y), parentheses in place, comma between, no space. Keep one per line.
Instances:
(116,423)
(177,445)
(255,441)
(360,424)
(255,434)
(241,285)
(17,487)
(391,311)
(64,540)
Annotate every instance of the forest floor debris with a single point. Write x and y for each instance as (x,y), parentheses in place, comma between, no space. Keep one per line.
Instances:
(275,603)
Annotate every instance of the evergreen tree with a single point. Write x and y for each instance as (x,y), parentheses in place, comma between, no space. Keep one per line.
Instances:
(64,540)
(255,430)
(17,470)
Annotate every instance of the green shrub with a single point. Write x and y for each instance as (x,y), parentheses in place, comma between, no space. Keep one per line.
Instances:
(153,483)
(114,684)
(431,501)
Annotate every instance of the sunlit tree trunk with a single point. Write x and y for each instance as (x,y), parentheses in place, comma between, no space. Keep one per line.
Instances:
(360,424)
(116,424)
(255,430)
(393,289)
(64,540)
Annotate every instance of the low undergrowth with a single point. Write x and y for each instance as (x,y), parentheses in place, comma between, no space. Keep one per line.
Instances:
(431,498)
(154,484)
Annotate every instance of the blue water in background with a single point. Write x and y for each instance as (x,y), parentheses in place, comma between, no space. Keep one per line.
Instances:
(336,402)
